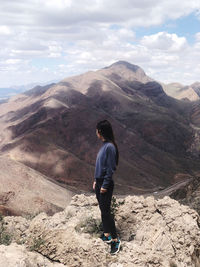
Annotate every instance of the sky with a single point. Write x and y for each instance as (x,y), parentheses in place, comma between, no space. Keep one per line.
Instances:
(45,40)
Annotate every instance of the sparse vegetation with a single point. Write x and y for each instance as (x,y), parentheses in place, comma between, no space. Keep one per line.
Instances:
(5,238)
(1,217)
(89,225)
(69,214)
(94,226)
(115,206)
(172,264)
(37,243)
(20,242)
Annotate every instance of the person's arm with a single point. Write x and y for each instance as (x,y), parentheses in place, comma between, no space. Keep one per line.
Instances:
(110,166)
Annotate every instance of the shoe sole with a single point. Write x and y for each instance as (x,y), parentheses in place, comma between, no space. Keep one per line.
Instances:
(117,249)
(107,242)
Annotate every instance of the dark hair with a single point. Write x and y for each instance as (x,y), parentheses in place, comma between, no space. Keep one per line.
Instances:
(105,129)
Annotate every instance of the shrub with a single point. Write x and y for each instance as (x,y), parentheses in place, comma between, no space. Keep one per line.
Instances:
(1,217)
(5,238)
(37,243)
(89,225)
(172,264)
(115,206)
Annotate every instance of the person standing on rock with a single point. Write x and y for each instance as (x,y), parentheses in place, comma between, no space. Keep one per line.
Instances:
(106,162)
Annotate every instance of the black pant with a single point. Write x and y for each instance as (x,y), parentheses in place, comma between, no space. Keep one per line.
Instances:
(104,200)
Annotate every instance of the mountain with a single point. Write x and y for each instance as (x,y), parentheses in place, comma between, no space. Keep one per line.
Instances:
(7,92)
(188,194)
(52,129)
(196,88)
(179,91)
(153,233)
(14,90)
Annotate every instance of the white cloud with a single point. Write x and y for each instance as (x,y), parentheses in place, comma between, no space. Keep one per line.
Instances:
(197,36)
(165,59)
(45,69)
(13,61)
(164,41)
(67,12)
(5,30)
(58,4)
(55,50)
(85,34)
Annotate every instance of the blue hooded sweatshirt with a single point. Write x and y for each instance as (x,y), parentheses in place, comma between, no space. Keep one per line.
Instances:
(105,163)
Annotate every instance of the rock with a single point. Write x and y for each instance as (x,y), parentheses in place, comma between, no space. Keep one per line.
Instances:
(154,233)
(19,256)
(82,201)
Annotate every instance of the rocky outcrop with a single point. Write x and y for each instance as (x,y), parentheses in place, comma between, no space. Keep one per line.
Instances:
(157,233)
(189,194)
(19,256)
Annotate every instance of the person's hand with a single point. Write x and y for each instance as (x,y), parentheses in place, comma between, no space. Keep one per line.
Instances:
(94,184)
(103,190)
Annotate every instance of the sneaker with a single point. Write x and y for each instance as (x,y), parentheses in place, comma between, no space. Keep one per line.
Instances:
(115,247)
(106,239)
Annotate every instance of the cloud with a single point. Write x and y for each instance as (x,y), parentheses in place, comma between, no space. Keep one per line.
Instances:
(5,30)
(197,36)
(164,41)
(164,56)
(13,61)
(56,13)
(85,35)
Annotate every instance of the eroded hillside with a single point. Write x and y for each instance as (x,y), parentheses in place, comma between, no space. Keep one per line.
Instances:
(52,130)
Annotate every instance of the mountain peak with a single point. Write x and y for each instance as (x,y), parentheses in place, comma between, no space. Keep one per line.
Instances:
(126,71)
(125,64)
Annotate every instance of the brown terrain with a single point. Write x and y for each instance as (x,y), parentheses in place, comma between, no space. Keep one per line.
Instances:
(51,129)
(24,191)
(179,91)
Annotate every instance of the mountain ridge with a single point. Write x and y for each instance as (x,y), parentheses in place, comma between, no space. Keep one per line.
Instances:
(182,92)
(149,125)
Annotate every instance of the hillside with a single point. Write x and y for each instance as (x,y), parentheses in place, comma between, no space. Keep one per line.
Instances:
(52,130)
(23,191)
(179,91)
